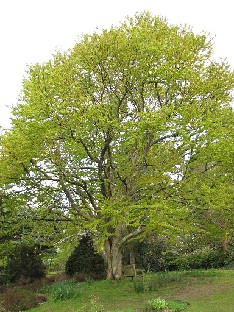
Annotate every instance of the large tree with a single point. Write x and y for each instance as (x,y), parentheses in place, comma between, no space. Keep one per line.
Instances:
(112,135)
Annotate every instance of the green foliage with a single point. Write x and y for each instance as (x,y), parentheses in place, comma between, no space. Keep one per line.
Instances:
(200,259)
(16,299)
(156,254)
(156,305)
(178,305)
(62,290)
(56,262)
(139,285)
(24,262)
(85,260)
(148,253)
(163,305)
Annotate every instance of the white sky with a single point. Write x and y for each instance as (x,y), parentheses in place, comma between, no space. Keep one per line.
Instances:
(31,30)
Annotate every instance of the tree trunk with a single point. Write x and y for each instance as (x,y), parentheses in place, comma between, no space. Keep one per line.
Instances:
(113,255)
(113,250)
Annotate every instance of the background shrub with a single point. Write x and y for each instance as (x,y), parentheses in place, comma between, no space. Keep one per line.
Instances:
(156,254)
(3,277)
(84,260)
(201,259)
(24,264)
(149,254)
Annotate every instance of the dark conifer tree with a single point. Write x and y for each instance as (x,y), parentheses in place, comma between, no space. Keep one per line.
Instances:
(84,259)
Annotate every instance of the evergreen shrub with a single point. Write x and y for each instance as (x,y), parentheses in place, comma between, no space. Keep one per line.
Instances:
(85,261)
(24,264)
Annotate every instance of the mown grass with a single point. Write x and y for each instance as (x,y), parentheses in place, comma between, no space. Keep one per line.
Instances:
(208,291)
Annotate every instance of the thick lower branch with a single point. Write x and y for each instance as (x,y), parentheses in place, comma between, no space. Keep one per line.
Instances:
(131,235)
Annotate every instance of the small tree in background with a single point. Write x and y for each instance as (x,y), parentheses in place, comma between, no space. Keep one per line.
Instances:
(85,260)
(25,262)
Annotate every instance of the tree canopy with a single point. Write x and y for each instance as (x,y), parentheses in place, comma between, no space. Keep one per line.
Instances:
(126,133)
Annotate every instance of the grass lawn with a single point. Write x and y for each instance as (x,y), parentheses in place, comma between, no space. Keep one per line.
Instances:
(208,291)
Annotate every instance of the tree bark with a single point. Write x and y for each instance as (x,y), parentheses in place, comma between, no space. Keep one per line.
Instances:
(113,255)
